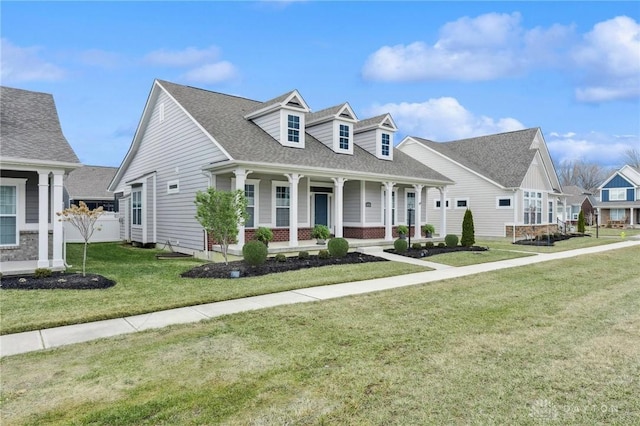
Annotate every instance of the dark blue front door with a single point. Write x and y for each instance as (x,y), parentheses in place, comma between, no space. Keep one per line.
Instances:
(321,209)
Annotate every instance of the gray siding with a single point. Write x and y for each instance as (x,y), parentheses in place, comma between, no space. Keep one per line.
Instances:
(149,210)
(270,123)
(373,195)
(176,149)
(303,202)
(367,141)
(323,132)
(352,201)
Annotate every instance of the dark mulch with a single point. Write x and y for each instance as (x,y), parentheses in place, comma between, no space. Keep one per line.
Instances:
(58,280)
(426,252)
(549,240)
(271,266)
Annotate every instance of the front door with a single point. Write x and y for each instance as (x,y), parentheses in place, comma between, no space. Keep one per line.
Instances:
(321,210)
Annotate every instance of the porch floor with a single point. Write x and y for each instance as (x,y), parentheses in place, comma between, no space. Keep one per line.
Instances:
(21,267)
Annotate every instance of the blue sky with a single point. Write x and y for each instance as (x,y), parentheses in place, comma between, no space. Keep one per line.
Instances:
(444,70)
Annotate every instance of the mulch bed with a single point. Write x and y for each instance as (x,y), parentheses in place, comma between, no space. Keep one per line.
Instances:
(432,251)
(271,266)
(548,240)
(58,280)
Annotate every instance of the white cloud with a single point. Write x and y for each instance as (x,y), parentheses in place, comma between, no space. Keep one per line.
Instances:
(19,64)
(482,48)
(212,73)
(592,147)
(443,119)
(610,56)
(182,58)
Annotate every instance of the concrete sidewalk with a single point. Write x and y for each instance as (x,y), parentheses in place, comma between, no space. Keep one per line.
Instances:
(29,341)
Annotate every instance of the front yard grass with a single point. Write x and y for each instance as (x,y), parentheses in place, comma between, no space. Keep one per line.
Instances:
(550,343)
(145,284)
(570,244)
(464,258)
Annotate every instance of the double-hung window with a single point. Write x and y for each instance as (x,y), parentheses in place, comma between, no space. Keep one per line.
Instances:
(344,137)
(293,128)
(136,206)
(283,200)
(411,208)
(532,207)
(250,195)
(8,215)
(393,207)
(386,145)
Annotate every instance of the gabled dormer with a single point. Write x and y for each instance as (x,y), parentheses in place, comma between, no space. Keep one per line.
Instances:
(334,127)
(283,118)
(375,135)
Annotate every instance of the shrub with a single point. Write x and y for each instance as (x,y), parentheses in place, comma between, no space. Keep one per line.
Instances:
(400,245)
(581,224)
(264,235)
(324,254)
(468,232)
(338,247)
(42,273)
(255,253)
(429,244)
(451,240)
(428,229)
(402,230)
(320,232)
(303,255)
(441,245)
(416,246)
(280,257)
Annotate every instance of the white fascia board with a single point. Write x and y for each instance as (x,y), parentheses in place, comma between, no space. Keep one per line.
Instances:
(26,164)
(547,162)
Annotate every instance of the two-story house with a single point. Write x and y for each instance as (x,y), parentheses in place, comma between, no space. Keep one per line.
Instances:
(619,201)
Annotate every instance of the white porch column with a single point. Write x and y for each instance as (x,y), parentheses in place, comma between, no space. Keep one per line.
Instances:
(418,211)
(241,178)
(43,219)
(338,204)
(631,219)
(388,220)
(443,211)
(566,215)
(58,240)
(293,178)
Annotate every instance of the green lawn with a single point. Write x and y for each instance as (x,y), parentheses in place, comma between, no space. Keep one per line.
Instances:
(145,284)
(570,244)
(550,343)
(464,258)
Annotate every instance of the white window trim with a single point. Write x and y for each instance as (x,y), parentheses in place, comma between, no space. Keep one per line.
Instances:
(275,184)
(21,190)
(618,217)
(618,191)
(336,142)
(141,191)
(447,202)
(171,183)
(408,191)
(510,206)
(394,208)
(379,134)
(256,201)
(542,209)
(455,205)
(284,128)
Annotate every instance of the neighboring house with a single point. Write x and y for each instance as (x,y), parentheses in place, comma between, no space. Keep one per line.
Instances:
(297,168)
(34,158)
(619,201)
(576,199)
(507,180)
(89,184)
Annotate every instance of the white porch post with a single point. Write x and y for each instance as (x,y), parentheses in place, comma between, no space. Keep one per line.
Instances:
(58,241)
(293,178)
(631,217)
(43,219)
(418,211)
(338,204)
(388,220)
(566,215)
(241,178)
(443,211)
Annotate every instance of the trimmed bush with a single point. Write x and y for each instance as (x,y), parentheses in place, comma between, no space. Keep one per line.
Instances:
(451,240)
(324,254)
(338,247)
(400,245)
(429,244)
(581,223)
(280,257)
(416,246)
(441,245)
(42,273)
(303,255)
(468,232)
(255,253)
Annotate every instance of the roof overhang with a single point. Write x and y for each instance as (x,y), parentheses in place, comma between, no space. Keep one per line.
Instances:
(26,164)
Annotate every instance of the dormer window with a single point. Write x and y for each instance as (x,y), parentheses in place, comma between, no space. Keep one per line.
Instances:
(293,128)
(386,145)
(344,137)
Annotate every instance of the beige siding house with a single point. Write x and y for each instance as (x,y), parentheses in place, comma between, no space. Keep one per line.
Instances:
(298,168)
(507,180)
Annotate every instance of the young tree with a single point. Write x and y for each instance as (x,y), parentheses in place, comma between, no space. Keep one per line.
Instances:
(468,232)
(581,223)
(84,220)
(220,212)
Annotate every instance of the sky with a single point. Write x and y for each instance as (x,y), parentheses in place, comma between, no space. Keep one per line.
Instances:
(443,70)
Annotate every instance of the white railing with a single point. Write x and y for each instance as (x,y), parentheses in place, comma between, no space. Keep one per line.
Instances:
(108,223)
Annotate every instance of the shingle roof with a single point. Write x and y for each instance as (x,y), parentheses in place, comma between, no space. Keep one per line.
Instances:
(328,112)
(504,158)
(30,127)
(575,194)
(90,182)
(222,116)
